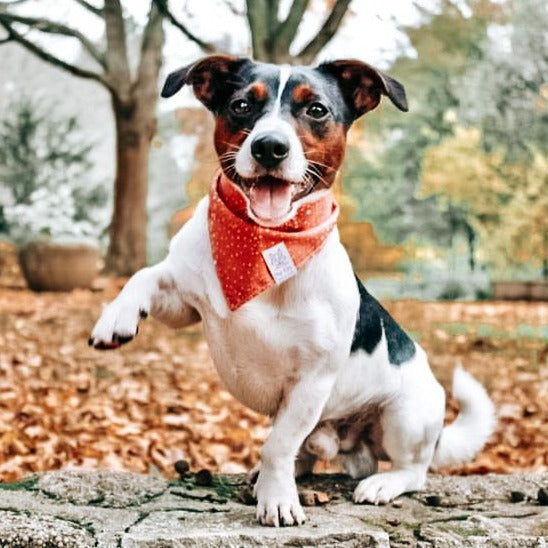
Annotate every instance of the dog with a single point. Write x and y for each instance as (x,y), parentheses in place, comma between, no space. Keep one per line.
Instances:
(292,332)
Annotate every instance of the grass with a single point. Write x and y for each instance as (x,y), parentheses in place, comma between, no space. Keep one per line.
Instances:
(483,330)
(27,484)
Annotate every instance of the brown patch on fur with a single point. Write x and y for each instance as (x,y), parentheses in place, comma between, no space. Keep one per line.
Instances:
(325,153)
(303,93)
(227,144)
(260,91)
(202,86)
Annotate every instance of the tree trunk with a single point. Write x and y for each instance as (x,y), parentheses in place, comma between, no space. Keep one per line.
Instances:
(135,127)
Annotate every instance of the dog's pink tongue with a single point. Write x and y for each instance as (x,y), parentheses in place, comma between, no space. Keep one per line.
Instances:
(270,200)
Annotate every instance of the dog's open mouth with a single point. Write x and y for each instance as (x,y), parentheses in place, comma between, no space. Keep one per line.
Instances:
(270,198)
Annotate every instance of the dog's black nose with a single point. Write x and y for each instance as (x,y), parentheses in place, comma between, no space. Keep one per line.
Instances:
(269,149)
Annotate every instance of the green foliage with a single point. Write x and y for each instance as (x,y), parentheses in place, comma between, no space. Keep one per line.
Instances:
(497,171)
(470,158)
(507,93)
(27,484)
(385,184)
(45,176)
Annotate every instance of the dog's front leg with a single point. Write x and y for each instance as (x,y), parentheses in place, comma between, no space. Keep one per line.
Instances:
(300,411)
(152,290)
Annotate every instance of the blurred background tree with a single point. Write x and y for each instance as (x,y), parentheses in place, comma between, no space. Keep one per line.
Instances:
(134,96)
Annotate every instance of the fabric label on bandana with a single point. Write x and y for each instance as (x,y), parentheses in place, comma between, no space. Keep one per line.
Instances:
(279,262)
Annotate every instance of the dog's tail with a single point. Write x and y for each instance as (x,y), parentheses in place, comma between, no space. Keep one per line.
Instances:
(461,440)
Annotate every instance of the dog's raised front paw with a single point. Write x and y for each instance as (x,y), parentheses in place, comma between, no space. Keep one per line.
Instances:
(118,324)
(278,501)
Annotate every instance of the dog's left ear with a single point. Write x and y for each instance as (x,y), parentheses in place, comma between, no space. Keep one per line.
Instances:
(213,78)
(363,85)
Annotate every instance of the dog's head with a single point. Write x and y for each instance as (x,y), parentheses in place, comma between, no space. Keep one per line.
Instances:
(281,131)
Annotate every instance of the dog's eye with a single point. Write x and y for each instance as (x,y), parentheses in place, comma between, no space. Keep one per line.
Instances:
(240,106)
(317,111)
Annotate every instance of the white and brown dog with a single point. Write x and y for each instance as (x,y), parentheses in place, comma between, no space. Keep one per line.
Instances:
(293,333)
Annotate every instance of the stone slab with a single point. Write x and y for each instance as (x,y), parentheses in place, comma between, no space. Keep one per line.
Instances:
(114,509)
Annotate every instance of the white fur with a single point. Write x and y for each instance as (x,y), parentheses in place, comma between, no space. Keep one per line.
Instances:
(285,73)
(462,439)
(286,354)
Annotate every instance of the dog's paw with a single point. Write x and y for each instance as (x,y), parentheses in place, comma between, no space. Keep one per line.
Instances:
(383,487)
(278,502)
(118,324)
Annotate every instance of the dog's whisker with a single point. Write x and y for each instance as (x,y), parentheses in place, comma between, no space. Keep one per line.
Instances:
(237,147)
(318,174)
(228,155)
(316,163)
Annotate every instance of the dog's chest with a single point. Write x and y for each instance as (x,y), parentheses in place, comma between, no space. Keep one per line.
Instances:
(256,357)
(262,349)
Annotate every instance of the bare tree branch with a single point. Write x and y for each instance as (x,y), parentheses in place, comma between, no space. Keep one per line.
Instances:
(90,7)
(51,27)
(256,12)
(50,58)
(326,32)
(116,56)
(151,49)
(272,8)
(287,30)
(165,11)
(8,38)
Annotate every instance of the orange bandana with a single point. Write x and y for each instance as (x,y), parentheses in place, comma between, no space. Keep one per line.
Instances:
(250,258)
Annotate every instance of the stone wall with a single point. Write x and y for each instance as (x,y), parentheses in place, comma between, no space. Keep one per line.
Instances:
(65,509)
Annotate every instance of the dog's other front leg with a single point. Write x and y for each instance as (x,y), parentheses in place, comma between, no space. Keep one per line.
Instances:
(411,429)
(152,290)
(276,490)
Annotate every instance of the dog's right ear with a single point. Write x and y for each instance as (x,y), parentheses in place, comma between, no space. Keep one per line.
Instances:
(213,78)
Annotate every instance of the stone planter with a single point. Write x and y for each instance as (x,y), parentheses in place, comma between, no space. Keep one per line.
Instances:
(59,267)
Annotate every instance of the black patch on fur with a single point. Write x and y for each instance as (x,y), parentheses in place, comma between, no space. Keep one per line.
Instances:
(372,317)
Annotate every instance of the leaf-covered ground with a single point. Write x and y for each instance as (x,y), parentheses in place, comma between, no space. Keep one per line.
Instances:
(63,404)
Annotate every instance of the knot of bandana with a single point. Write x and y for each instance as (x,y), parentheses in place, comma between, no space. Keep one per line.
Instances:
(250,258)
